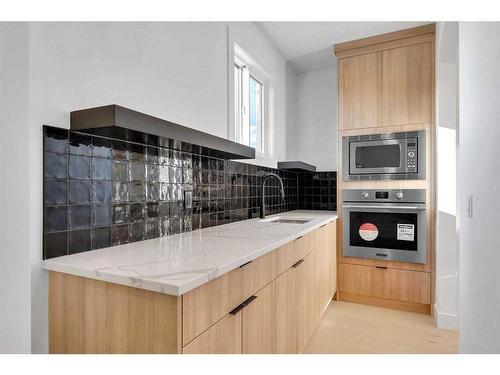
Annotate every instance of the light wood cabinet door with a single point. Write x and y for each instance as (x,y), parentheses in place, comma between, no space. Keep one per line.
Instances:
(304,302)
(294,307)
(286,327)
(393,284)
(360,85)
(406,85)
(326,268)
(259,323)
(224,337)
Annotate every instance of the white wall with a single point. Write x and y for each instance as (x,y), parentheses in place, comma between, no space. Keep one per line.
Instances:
(291,114)
(15,301)
(176,71)
(446,304)
(316,119)
(479,140)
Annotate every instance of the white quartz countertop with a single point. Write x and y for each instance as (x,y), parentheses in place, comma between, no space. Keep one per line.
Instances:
(179,263)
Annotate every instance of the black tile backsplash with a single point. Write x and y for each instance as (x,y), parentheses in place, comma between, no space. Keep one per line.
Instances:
(317,191)
(100,192)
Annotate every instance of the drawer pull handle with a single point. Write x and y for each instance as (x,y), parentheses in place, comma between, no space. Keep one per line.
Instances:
(298,238)
(242,305)
(298,263)
(381,268)
(236,309)
(249,300)
(244,264)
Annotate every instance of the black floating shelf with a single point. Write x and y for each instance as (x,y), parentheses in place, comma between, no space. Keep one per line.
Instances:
(125,124)
(296,166)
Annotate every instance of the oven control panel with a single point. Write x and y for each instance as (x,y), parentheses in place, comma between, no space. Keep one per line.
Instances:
(383,196)
(411,155)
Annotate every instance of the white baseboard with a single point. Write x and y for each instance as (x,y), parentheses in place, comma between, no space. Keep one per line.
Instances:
(446,320)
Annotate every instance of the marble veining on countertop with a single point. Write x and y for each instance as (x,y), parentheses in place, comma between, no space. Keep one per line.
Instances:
(179,263)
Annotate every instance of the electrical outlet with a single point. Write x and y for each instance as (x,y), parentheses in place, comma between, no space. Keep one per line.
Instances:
(188,199)
(470,206)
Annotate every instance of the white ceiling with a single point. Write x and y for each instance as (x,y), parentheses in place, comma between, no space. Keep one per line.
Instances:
(308,45)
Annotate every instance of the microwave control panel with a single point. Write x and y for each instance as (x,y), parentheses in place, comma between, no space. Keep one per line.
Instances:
(411,155)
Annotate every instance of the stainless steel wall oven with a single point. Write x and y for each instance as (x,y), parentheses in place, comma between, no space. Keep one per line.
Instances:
(385,224)
(391,156)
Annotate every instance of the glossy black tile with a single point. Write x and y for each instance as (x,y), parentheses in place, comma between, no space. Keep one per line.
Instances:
(102,191)
(55,139)
(136,212)
(120,150)
(120,213)
(120,171)
(79,167)
(152,192)
(137,192)
(56,192)
(101,169)
(137,231)
(152,210)
(79,191)
(101,237)
(120,191)
(56,218)
(137,171)
(55,244)
(79,241)
(101,148)
(119,234)
(55,165)
(153,228)
(101,215)
(137,152)
(80,144)
(152,172)
(79,217)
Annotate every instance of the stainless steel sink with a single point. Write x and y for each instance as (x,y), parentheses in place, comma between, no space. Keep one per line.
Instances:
(279,220)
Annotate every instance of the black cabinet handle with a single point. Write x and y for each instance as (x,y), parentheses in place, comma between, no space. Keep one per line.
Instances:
(381,268)
(298,263)
(244,264)
(250,300)
(243,305)
(237,309)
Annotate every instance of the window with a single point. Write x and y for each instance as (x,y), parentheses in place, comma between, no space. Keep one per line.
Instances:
(250,87)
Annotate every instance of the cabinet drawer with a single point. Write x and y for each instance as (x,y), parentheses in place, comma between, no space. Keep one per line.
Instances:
(208,303)
(393,284)
(224,337)
(289,254)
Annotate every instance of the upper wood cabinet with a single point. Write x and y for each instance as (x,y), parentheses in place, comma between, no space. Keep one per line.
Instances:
(386,80)
(406,85)
(360,84)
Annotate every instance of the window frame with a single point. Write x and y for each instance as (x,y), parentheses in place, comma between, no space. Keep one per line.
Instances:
(240,127)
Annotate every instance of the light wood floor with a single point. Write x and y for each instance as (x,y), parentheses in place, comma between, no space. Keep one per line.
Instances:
(353,328)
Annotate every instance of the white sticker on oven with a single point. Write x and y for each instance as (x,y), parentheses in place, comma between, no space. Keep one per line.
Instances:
(406,232)
(368,231)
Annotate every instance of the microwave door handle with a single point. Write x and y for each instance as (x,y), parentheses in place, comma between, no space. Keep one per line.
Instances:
(417,208)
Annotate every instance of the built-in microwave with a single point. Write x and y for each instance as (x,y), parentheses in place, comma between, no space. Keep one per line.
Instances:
(390,156)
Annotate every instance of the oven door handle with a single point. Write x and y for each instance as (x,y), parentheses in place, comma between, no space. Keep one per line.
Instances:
(416,208)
